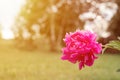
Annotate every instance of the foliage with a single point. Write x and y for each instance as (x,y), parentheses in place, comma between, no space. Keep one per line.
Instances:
(26,25)
(52,19)
(114,44)
(53,24)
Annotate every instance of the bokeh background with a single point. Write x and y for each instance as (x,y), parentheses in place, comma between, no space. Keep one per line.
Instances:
(32,32)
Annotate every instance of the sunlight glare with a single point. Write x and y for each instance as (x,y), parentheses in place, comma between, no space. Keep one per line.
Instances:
(8,10)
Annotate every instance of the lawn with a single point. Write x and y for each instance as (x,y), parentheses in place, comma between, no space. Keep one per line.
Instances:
(39,65)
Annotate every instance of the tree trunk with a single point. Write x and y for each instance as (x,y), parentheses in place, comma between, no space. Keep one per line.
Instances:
(52,28)
(60,36)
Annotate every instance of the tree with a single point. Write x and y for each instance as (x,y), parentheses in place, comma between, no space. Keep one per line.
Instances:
(53,19)
(29,15)
(64,19)
(115,23)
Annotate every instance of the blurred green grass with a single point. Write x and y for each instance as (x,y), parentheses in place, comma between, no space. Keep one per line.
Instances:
(39,65)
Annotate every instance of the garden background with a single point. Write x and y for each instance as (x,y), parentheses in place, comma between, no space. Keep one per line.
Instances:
(32,32)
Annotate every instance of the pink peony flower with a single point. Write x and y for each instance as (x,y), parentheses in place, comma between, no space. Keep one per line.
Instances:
(81,47)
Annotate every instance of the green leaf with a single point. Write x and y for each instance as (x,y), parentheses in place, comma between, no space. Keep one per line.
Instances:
(115,44)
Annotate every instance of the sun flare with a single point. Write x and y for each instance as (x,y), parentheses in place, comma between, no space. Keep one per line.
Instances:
(8,10)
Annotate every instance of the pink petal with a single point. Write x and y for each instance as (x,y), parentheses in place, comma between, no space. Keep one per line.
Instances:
(81,65)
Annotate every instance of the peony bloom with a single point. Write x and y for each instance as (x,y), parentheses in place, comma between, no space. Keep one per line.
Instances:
(81,47)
